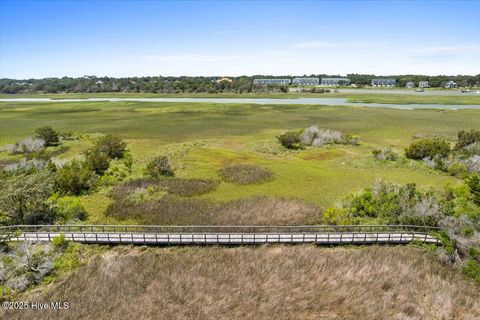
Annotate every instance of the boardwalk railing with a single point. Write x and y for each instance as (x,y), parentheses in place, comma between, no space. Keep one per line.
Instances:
(214,229)
(140,234)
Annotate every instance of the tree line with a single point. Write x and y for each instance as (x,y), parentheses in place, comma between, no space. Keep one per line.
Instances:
(184,84)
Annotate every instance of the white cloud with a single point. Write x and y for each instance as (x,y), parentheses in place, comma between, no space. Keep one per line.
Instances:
(447,49)
(327,44)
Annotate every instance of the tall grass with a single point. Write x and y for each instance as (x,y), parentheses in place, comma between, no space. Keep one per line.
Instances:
(268,282)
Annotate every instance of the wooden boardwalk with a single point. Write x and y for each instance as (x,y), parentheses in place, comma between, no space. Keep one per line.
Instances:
(221,235)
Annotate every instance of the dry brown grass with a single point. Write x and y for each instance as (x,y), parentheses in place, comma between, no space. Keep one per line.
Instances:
(172,210)
(266,211)
(269,282)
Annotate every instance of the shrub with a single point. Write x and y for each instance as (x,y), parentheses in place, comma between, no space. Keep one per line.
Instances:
(337,216)
(458,169)
(113,146)
(473,182)
(97,161)
(327,136)
(59,241)
(26,165)
(309,134)
(27,145)
(245,174)
(473,164)
(466,138)
(160,166)
(384,154)
(471,150)
(290,139)
(48,134)
(75,178)
(351,139)
(24,198)
(472,270)
(69,209)
(428,148)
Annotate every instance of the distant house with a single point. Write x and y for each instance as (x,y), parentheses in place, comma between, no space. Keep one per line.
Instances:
(306,81)
(450,84)
(99,82)
(272,81)
(423,84)
(383,82)
(410,84)
(335,82)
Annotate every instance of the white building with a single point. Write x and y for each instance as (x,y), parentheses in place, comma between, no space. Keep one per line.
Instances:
(306,81)
(383,82)
(335,82)
(450,84)
(272,81)
(423,84)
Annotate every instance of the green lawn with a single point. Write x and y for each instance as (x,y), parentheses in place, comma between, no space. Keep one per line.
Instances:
(202,138)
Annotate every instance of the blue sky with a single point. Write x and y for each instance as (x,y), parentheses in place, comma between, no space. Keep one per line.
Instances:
(136,38)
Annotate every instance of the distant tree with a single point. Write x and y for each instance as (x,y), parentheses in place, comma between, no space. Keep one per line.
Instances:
(112,146)
(97,161)
(75,178)
(48,134)
(290,139)
(428,148)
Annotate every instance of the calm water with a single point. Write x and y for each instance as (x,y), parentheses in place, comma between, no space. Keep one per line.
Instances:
(301,101)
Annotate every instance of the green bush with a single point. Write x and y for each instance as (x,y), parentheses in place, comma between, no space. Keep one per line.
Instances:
(474,253)
(245,174)
(472,270)
(337,216)
(458,169)
(48,134)
(384,154)
(24,198)
(59,242)
(113,146)
(466,138)
(473,182)
(428,148)
(160,166)
(70,209)
(290,139)
(69,259)
(97,161)
(75,178)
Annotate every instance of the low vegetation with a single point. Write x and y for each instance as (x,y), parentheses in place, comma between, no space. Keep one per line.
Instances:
(385,154)
(24,265)
(176,201)
(455,210)
(315,137)
(245,174)
(428,148)
(160,166)
(281,282)
(461,160)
